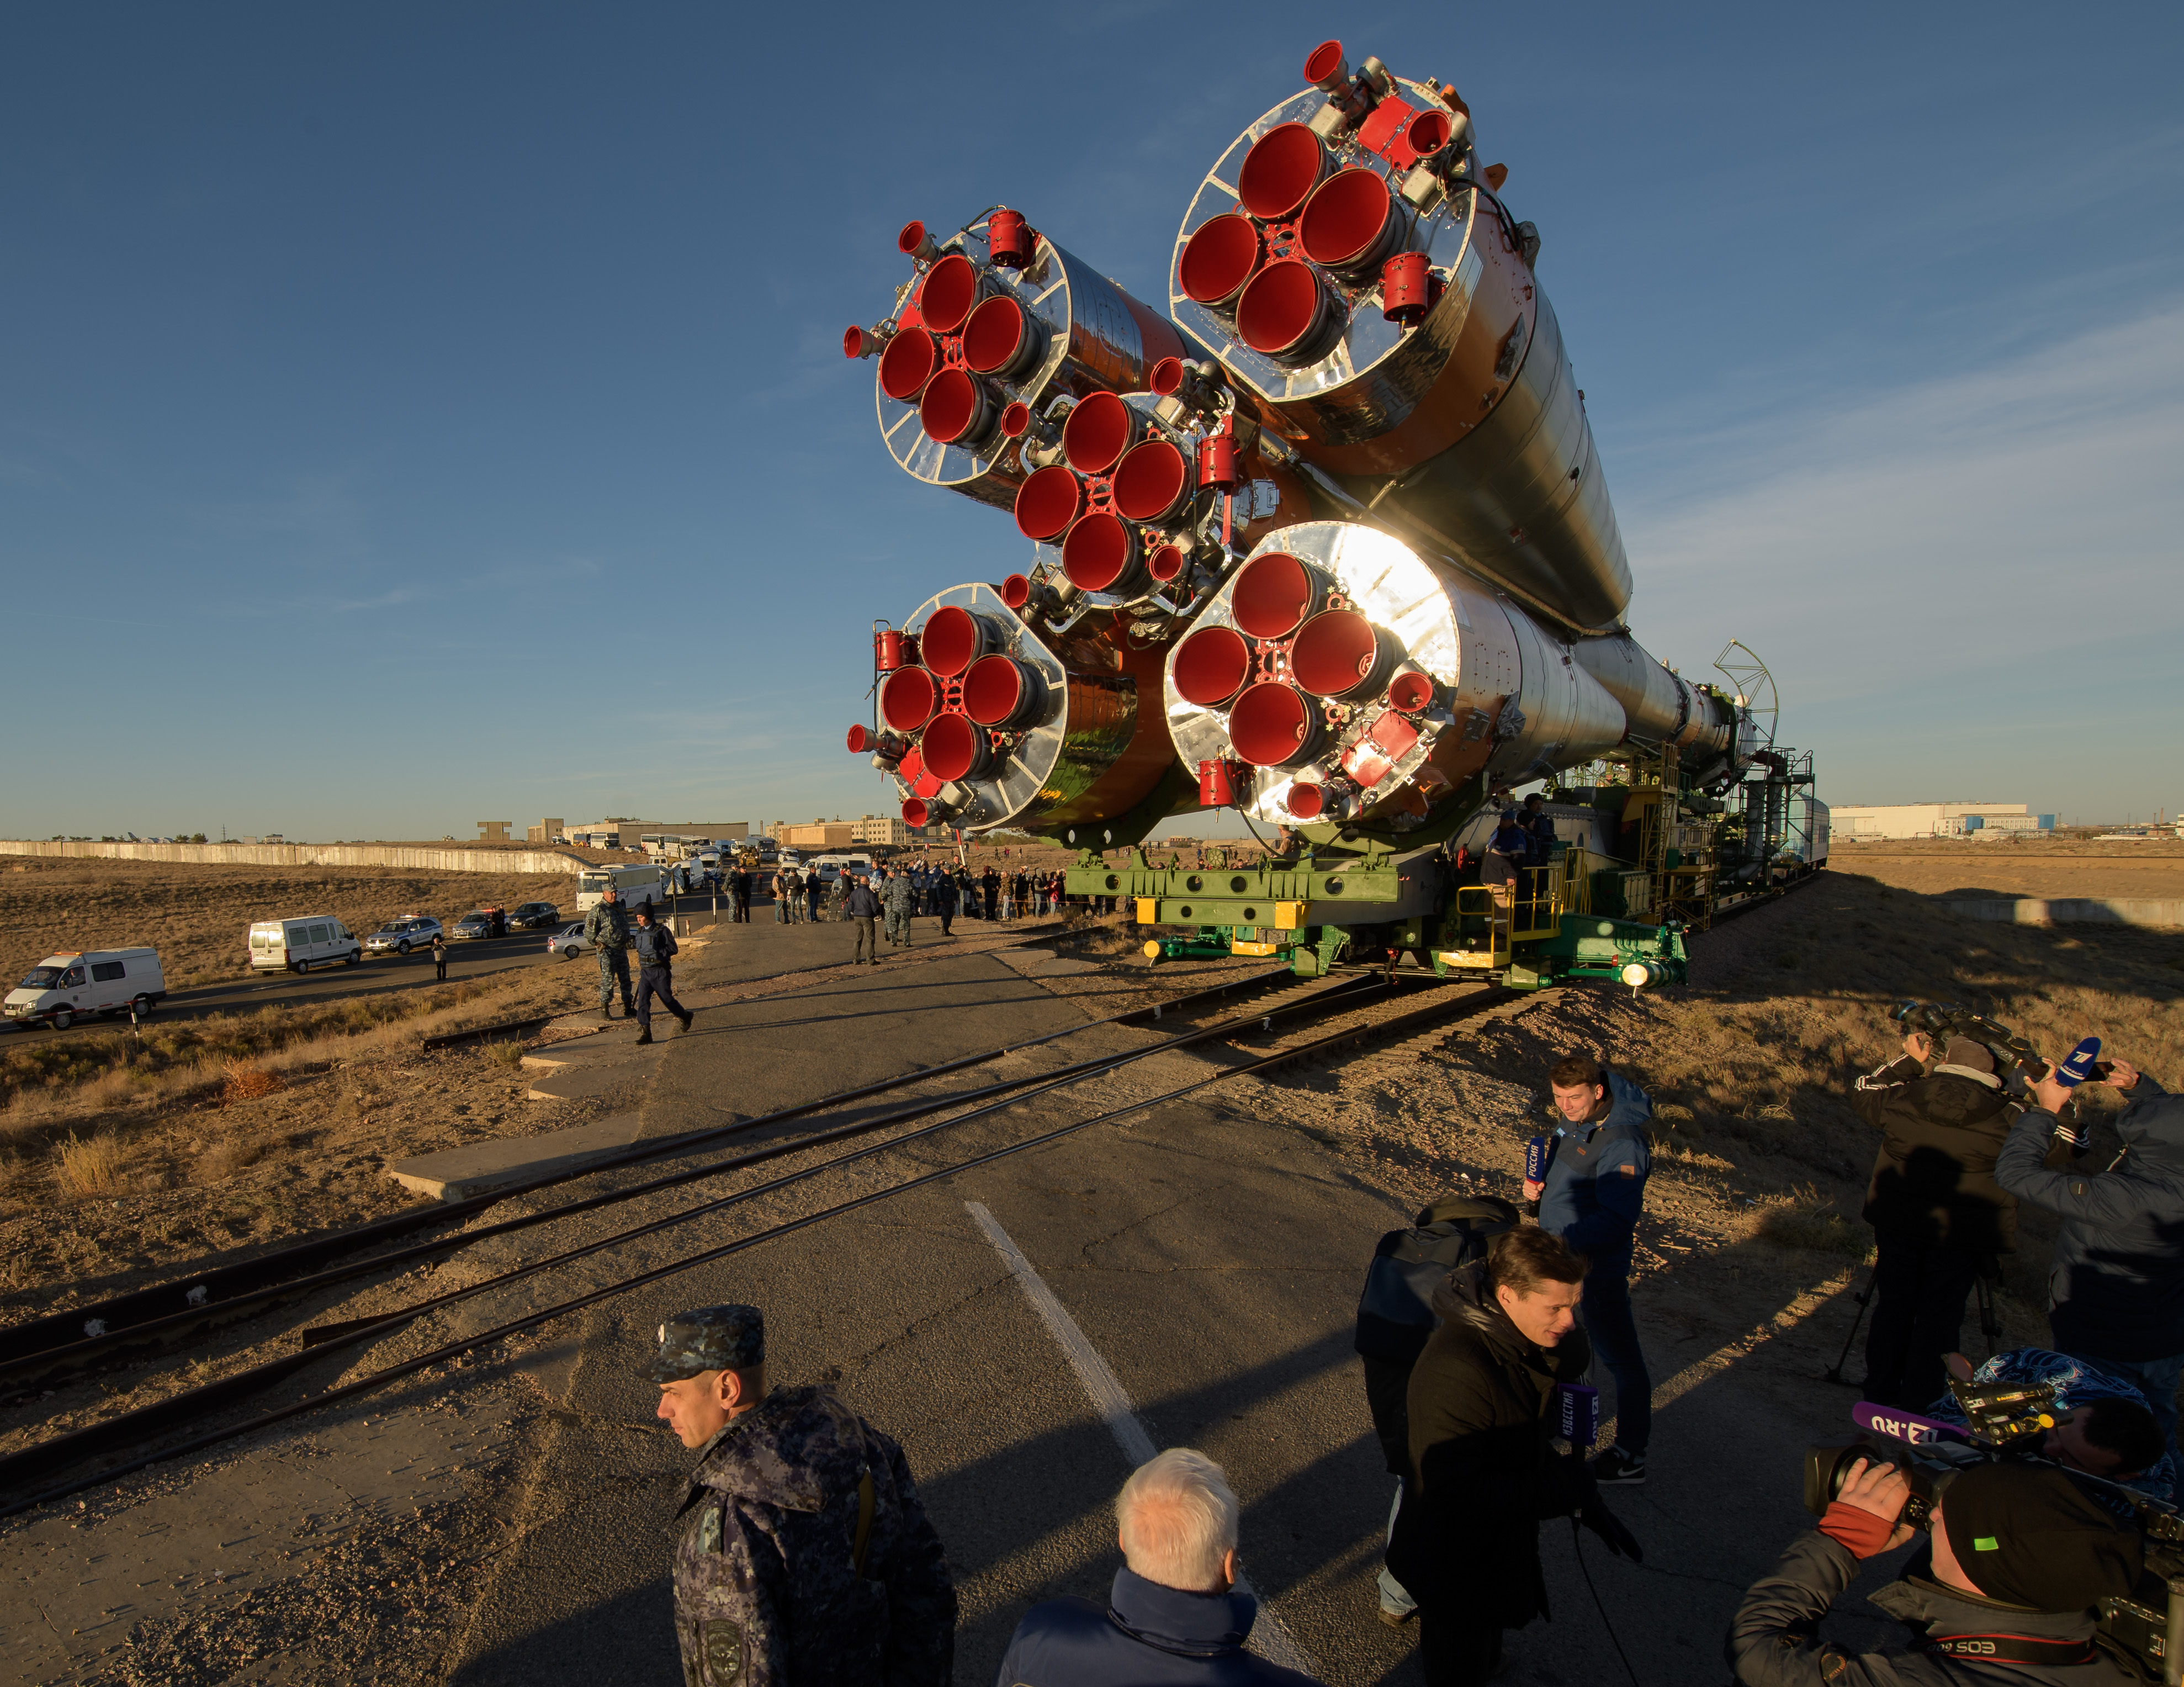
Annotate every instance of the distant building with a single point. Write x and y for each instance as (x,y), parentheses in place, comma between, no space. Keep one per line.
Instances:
(818,834)
(1858,823)
(545,832)
(882,828)
(492,831)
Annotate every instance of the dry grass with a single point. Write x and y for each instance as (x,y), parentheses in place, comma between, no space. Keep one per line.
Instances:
(226,1157)
(88,1166)
(247,1083)
(1807,1219)
(507,1053)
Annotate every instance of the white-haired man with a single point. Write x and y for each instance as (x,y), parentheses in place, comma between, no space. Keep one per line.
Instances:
(1174,1615)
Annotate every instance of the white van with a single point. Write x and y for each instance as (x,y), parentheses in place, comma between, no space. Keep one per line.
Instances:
(632,885)
(61,989)
(299,945)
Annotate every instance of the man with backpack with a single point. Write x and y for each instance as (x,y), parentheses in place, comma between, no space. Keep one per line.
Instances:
(1395,1316)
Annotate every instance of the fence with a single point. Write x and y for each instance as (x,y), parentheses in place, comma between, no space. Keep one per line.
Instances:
(316,855)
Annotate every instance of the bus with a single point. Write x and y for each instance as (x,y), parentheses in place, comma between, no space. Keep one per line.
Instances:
(632,885)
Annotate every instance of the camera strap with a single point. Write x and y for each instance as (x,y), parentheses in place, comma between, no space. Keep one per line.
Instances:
(2010,1649)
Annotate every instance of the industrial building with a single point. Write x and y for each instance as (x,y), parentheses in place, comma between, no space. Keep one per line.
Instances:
(638,833)
(1855,823)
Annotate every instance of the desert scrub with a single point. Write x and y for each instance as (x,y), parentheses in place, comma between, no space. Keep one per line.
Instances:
(1808,1220)
(89,1166)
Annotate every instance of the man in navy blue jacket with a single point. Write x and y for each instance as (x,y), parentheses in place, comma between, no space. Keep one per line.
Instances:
(1594,1185)
(2116,1289)
(1175,1616)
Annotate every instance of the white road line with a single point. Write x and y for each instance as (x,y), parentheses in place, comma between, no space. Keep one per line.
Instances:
(1270,1638)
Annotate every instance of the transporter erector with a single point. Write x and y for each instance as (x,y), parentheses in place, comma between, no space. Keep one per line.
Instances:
(1328,542)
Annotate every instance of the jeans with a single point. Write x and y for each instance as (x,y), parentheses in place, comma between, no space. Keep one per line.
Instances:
(781,910)
(868,939)
(652,981)
(1920,1291)
(1614,1334)
(2155,1378)
(613,966)
(1395,1598)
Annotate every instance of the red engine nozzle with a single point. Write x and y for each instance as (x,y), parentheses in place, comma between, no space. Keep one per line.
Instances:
(909,361)
(915,243)
(953,287)
(1279,172)
(1152,481)
(1275,725)
(1224,252)
(955,748)
(1001,692)
(1273,595)
(1351,224)
(1103,553)
(1015,591)
(1100,429)
(1048,502)
(958,408)
(1287,312)
(909,698)
(1339,653)
(954,638)
(1002,339)
(1211,666)
(916,813)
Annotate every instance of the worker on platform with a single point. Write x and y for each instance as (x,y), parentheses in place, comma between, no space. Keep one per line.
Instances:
(803,1553)
(1503,866)
(606,929)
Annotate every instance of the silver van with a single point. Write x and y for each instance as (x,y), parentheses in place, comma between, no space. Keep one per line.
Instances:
(62,988)
(299,945)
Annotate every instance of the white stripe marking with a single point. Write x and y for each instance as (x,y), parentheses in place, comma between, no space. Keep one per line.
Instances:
(1269,1638)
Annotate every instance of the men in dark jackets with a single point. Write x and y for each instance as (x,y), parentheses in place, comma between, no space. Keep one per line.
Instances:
(2116,1291)
(2005,1592)
(1938,1216)
(1395,1316)
(941,889)
(656,950)
(1174,1615)
(606,929)
(1482,1401)
(740,890)
(1591,1197)
(1538,831)
(989,882)
(862,906)
(815,887)
(803,1556)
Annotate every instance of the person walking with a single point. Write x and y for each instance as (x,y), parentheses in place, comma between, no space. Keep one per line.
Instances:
(803,1553)
(944,894)
(656,949)
(1174,1614)
(896,897)
(1938,1217)
(815,887)
(742,891)
(1484,1470)
(989,882)
(606,929)
(860,905)
(1591,1196)
(2115,1292)
(439,958)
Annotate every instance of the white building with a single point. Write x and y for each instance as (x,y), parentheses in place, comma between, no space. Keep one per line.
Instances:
(882,828)
(1856,824)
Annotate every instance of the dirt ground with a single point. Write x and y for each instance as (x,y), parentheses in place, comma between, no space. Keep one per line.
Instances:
(198,917)
(1944,867)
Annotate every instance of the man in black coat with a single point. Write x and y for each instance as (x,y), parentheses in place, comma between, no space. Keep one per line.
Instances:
(1938,1216)
(1482,1405)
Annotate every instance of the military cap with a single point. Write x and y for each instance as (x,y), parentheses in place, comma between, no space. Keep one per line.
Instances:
(710,1338)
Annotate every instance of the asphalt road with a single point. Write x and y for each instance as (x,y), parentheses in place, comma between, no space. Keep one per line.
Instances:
(375,975)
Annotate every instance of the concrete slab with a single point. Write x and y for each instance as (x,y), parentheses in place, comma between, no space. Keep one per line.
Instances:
(455,1174)
(2072,910)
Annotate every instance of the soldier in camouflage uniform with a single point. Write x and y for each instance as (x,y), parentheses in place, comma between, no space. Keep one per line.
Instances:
(803,1557)
(898,900)
(606,929)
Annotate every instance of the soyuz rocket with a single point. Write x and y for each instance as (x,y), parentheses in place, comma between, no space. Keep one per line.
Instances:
(1329,541)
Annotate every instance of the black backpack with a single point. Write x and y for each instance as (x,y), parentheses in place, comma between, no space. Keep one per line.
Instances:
(1394,1313)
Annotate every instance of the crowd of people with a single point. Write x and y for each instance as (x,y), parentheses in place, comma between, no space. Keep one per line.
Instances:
(1494,1338)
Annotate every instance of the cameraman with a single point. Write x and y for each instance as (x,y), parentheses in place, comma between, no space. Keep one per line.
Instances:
(2018,1560)
(2116,1291)
(1938,1216)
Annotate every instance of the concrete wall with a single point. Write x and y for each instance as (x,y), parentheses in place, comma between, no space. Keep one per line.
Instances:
(317,855)
(2071,910)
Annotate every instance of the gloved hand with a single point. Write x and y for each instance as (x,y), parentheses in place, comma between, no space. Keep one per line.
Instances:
(1594,1516)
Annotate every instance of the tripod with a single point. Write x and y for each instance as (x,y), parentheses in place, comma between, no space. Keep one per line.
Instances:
(1834,1372)
(1983,1282)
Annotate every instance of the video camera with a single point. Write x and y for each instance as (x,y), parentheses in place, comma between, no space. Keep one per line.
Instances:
(2009,1420)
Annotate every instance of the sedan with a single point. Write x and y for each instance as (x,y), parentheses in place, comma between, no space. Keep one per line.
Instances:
(568,943)
(531,916)
(402,933)
(474,925)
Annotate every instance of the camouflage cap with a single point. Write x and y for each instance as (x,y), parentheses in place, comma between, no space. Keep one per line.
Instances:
(710,1338)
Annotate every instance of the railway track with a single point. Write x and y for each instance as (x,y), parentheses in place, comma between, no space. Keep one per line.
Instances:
(1376,1006)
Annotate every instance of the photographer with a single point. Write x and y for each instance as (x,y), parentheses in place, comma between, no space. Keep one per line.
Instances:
(2116,1290)
(1938,1216)
(1485,1468)
(2017,1560)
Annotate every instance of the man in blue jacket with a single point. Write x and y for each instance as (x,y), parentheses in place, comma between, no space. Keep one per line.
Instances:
(1594,1185)
(2115,1292)
(1175,1616)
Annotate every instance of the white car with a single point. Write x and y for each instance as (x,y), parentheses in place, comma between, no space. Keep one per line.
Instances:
(568,943)
(402,933)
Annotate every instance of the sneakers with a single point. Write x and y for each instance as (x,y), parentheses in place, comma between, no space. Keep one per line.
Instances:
(1618,1467)
(1396,1619)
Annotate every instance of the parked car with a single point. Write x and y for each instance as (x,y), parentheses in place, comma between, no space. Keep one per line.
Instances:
(299,945)
(532,916)
(61,989)
(568,943)
(402,933)
(480,922)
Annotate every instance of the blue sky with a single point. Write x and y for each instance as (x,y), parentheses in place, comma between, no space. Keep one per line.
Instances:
(409,415)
